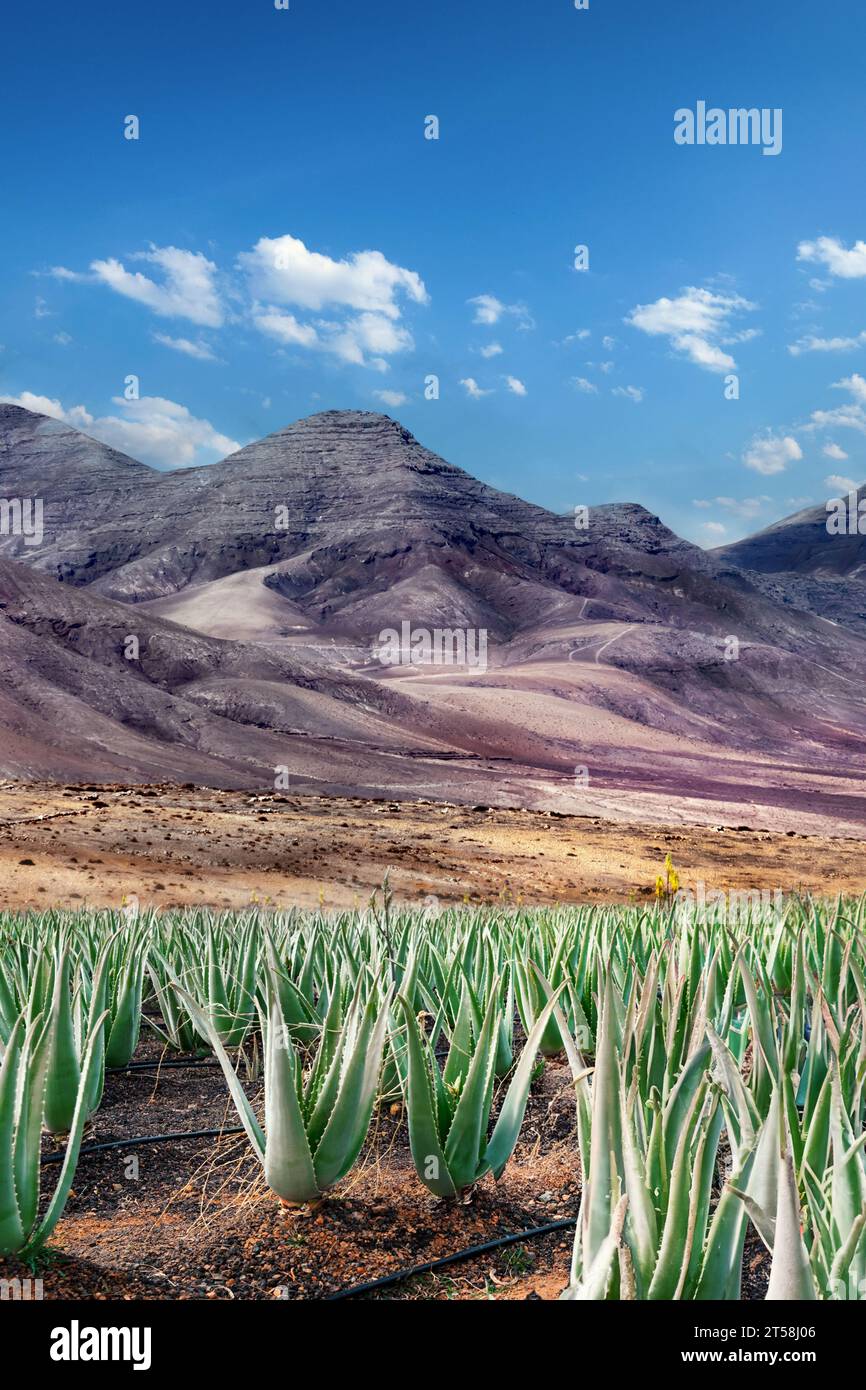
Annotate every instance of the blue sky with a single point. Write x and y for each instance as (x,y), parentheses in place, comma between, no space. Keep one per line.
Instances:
(282,238)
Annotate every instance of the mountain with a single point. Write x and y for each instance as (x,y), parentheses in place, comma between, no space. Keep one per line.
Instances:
(80,482)
(810,562)
(188,707)
(627,671)
(330,510)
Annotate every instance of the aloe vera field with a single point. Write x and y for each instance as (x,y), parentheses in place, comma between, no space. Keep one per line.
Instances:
(589,1103)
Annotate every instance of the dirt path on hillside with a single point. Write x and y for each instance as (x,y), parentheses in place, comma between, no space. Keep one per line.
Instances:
(93,846)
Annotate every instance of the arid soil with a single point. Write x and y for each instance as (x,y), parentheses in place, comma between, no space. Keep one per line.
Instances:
(94,846)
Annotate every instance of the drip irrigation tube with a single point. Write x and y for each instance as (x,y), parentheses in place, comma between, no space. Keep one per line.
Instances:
(431,1265)
(140,1139)
(193,1063)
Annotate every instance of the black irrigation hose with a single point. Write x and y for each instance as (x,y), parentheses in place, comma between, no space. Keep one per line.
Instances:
(161,1066)
(140,1139)
(467,1254)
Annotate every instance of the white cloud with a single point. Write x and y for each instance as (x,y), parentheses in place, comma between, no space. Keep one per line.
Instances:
(701,502)
(152,429)
(847,417)
(352,341)
(844,417)
(285,327)
(838,484)
(746,335)
(188,290)
(586,386)
(162,433)
(78,417)
(812,344)
(200,350)
(608,344)
(373,333)
(63,339)
(714,527)
(363,294)
(282,271)
(472,388)
(392,398)
(747,508)
(489,310)
(368,333)
(770,453)
(694,322)
(59,272)
(847,263)
(631,393)
(855,385)
(580,336)
(515,386)
(705,354)
(491,350)
(833,451)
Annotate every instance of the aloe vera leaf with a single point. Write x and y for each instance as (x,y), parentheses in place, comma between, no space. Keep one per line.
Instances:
(349,1121)
(464,1139)
(73,1144)
(427,1151)
(61,1086)
(507,1127)
(790,1275)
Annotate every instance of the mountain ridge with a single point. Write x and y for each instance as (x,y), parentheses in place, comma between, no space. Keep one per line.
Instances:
(800,560)
(667,671)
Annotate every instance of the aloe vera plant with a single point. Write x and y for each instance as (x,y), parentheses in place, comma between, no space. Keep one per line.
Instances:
(647,1164)
(125,967)
(315,1126)
(23,1074)
(449,1111)
(74,1013)
(218,968)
